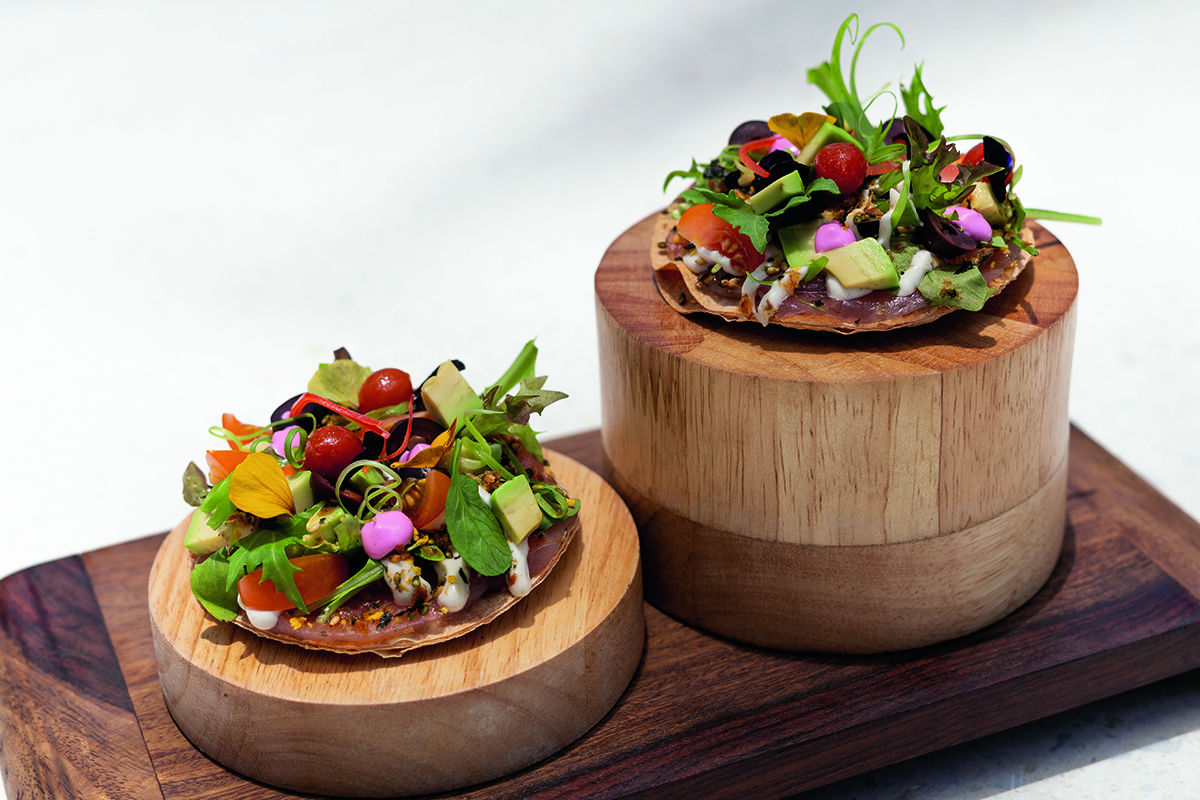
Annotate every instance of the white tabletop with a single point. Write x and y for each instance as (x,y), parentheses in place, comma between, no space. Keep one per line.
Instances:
(200,202)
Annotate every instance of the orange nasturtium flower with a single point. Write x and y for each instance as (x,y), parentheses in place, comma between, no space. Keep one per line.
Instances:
(258,486)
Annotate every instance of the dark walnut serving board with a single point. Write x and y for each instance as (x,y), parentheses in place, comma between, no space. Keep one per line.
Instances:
(82,714)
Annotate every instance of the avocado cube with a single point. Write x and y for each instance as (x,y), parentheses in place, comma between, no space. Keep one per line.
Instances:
(302,493)
(862,265)
(983,200)
(826,134)
(448,396)
(201,539)
(797,244)
(517,509)
(776,193)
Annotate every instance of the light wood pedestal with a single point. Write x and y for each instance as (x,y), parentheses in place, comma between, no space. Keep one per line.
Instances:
(814,491)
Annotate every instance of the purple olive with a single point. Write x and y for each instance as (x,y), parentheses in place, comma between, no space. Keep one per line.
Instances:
(942,237)
(749,131)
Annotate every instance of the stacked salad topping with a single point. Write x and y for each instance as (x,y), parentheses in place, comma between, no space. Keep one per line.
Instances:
(830,217)
(369,516)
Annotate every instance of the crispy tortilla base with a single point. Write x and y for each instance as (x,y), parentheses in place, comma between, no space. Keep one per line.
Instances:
(481,612)
(683,291)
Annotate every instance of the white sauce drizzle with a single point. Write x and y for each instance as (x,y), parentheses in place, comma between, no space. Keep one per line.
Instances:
(455,577)
(885,222)
(519,583)
(402,577)
(263,620)
(922,263)
(703,259)
(838,292)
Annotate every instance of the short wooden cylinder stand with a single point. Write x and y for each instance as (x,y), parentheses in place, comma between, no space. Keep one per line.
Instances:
(494,701)
(813,491)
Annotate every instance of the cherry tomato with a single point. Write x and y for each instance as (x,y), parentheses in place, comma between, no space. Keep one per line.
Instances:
(319,575)
(330,450)
(433,500)
(974,155)
(700,226)
(383,388)
(844,164)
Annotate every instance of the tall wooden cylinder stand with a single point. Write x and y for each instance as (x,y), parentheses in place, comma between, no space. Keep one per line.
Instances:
(856,494)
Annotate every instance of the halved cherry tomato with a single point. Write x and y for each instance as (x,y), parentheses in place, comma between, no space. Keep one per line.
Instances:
(383,388)
(974,155)
(433,499)
(319,575)
(700,226)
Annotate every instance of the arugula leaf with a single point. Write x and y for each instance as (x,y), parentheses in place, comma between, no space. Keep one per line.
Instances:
(210,585)
(929,117)
(474,530)
(695,172)
(521,369)
(945,287)
(267,549)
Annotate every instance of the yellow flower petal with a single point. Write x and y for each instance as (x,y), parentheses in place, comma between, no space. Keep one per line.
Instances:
(430,456)
(798,130)
(258,486)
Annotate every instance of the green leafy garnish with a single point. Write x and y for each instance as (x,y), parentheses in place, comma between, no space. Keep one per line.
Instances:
(370,572)
(210,584)
(473,528)
(851,113)
(195,485)
(267,549)
(339,381)
(918,104)
(945,287)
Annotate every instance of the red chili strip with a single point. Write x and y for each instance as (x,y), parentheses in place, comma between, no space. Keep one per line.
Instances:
(366,422)
(753,146)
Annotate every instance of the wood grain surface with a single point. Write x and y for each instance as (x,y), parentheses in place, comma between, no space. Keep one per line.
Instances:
(498,698)
(887,490)
(703,716)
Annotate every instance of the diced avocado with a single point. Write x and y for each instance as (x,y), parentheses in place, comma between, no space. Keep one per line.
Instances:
(826,134)
(775,193)
(328,524)
(862,265)
(302,493)
(365,477)
(201,539)
(983,200)
(517,509)
(448,396)
(797,244)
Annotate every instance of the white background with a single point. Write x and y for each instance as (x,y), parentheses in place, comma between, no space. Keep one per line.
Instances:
(200,202)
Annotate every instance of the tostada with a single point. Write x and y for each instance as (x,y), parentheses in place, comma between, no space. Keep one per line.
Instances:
(828,221)
(371,517)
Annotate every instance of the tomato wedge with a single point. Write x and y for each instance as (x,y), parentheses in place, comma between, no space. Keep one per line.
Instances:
(244,431)
(319,575)
(700,226)
(223,462)
(433,499)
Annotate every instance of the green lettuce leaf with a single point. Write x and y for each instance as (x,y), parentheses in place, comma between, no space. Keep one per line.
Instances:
(267,549)
(339,381)
(945,287)
(210,585)
(474,530)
